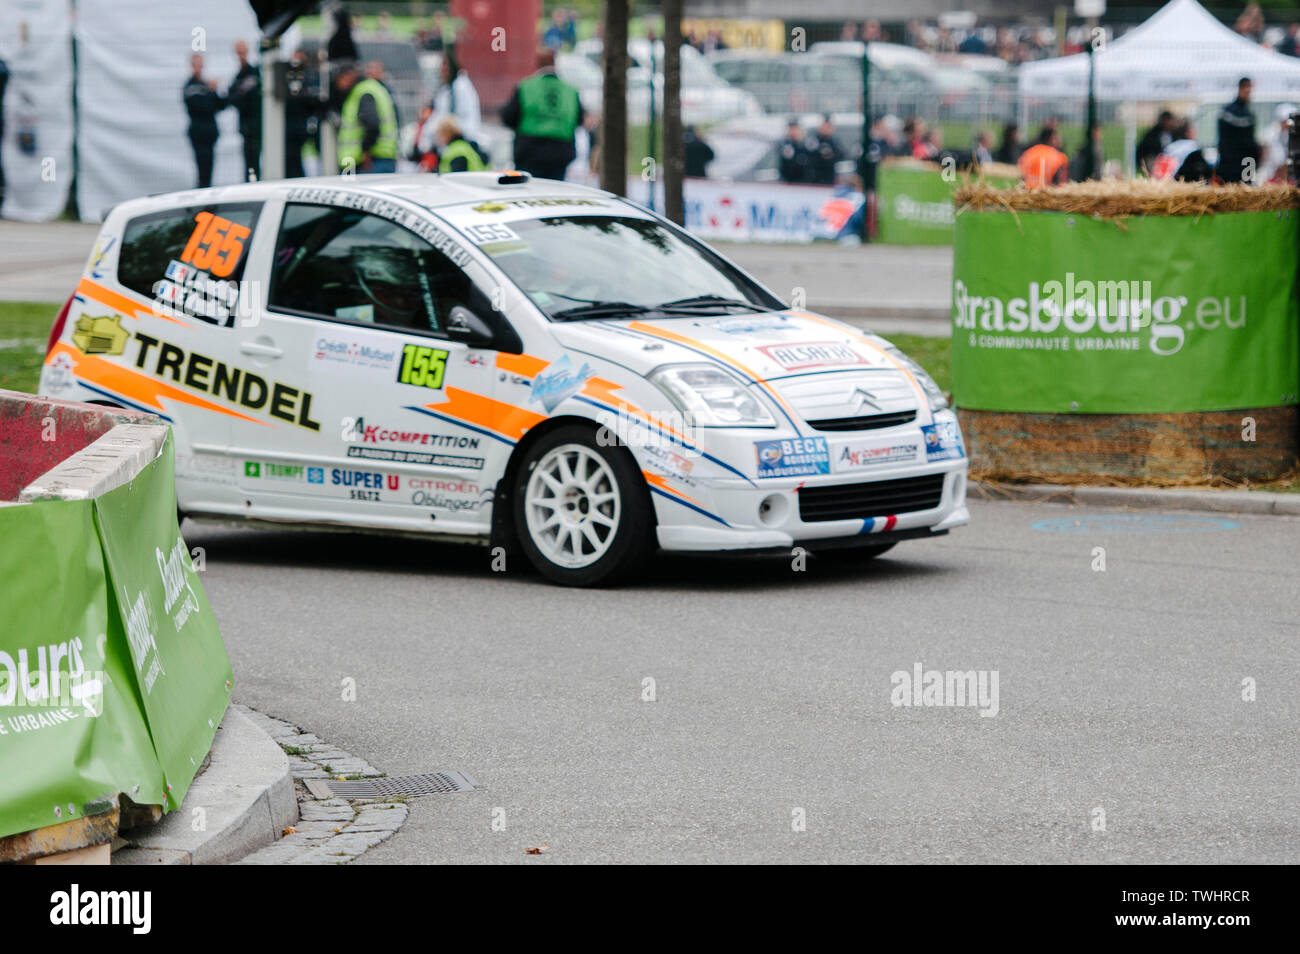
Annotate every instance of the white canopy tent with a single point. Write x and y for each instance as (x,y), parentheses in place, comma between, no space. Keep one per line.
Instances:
(1181,53)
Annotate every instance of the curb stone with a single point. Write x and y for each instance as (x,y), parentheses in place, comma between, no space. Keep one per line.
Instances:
(331,831)
(1142,498)
(245,795)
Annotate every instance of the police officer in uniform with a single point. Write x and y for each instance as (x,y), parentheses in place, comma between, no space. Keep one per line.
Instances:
(1238,149)
(544,111)
(203,103)
(245,94)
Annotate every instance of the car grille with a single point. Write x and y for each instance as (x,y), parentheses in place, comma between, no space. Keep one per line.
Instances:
(879,498)
(866,422)
(838,401)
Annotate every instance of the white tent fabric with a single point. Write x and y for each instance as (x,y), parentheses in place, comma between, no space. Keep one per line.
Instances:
(133,59)
(36,44)
(1181,53)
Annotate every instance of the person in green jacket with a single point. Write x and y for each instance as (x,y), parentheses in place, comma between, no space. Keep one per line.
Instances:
(544,111)
(368,124)
(455,152)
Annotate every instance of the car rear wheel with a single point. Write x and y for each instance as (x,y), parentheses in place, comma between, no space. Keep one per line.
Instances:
(581,510)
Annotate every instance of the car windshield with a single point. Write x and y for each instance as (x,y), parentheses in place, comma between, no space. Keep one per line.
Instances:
(601,266)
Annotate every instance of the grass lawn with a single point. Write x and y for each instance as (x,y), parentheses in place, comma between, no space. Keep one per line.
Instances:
(933,354)
(24,329)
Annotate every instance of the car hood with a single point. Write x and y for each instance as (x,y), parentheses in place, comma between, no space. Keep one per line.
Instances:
(760,347)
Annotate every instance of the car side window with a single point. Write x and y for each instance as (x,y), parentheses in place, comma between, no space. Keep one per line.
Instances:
(190,260)
(351,266)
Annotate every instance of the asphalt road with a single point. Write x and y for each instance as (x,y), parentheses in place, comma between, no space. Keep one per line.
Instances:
(1119,692)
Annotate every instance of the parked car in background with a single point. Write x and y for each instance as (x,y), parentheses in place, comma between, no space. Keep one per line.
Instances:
(792,82)
(746,149)
(706,97)
(912,82)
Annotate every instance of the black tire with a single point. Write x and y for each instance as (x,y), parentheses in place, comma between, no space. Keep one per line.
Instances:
(594,543)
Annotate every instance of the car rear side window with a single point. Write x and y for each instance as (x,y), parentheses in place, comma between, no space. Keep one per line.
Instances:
(190,260)
(347,265)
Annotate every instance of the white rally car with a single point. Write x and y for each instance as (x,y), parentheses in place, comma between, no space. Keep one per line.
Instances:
(484,356)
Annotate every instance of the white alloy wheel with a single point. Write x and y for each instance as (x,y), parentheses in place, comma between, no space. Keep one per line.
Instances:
(572,506)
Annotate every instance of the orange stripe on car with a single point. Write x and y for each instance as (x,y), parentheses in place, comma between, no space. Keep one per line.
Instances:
(141,388)
(658,480)
(119,302)
(726,359)
(508,420)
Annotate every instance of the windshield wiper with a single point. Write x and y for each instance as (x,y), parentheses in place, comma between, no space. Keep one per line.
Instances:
(600,309)
(712,300)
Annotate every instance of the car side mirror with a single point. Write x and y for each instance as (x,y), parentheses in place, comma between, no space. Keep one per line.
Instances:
(468,328)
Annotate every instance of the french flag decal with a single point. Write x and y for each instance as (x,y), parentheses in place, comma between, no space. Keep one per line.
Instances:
(878,524)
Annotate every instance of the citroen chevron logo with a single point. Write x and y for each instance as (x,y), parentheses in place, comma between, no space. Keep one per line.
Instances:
(863,399)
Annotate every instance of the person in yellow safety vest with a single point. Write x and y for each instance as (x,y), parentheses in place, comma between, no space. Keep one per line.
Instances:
(368,124)
(544,111)
(456,153)
(1043,163)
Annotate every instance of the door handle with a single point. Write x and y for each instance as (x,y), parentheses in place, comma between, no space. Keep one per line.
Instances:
(262,350)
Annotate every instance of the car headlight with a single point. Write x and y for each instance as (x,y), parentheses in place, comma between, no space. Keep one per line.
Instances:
(709,397)
(936,398)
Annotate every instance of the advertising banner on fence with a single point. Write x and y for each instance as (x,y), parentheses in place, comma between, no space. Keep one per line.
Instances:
(113,676)
(1056,313)
(914,202)
(745,211)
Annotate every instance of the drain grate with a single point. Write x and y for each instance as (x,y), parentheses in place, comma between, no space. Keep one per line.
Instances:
(429,783)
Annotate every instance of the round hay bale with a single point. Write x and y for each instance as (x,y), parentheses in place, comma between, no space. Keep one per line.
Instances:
(1169,449)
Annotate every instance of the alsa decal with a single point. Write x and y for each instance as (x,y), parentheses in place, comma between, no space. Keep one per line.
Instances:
(217,378)
(943,441)
(422,366)
(793,457)
(812,354)
(102,335)
(559,381)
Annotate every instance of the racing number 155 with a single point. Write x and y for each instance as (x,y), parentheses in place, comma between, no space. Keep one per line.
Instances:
(422,366)
(215,245)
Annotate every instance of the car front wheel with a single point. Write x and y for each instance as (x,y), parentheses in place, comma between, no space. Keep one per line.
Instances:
(581,510)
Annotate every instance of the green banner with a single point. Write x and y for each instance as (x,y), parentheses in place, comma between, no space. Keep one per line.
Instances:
(1057,313)
(914,203)
(113,676)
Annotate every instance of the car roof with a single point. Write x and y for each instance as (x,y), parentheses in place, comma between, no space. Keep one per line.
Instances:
(431,190)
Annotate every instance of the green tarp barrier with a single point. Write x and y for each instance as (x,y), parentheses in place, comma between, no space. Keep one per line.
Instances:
(914,203)
(1058,313)
(113,675)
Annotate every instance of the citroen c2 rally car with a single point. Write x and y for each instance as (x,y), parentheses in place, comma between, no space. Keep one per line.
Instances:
(485,356)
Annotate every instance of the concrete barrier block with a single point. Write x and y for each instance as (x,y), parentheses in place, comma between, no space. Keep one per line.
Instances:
(108,462)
